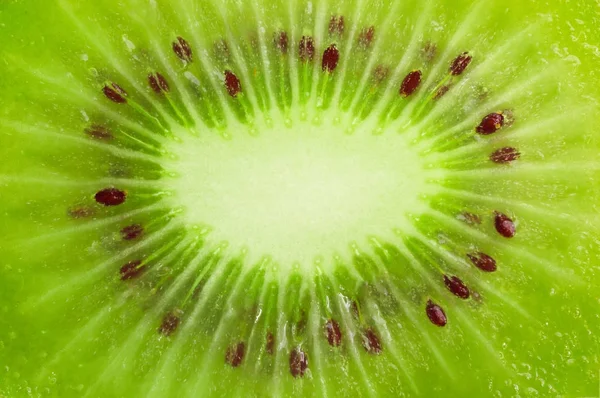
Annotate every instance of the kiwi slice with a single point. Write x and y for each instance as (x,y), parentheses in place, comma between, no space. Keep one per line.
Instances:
(299,198)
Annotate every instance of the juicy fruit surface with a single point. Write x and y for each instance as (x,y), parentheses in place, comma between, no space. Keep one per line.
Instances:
(299,198)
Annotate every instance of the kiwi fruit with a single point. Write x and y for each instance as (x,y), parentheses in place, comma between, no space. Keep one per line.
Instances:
(299,198)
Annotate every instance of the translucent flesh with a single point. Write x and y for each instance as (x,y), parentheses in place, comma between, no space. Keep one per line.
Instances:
(274,211)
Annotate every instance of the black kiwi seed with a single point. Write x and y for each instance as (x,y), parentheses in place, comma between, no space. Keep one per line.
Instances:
(490,123)
(99,132)
(235,354)
(483,261)
(306,49)
(460,63)
(336,25)
(298,362)
(170,323)
(115,93)
(281,42)
(232,83)
(331,56)
(131,270)
(334,333)
(505,155)
(436,314)
(410,83)
(182,49)
(158,83)
(456,286)
(371,342)
(132,232)
(504,225)
(110,197)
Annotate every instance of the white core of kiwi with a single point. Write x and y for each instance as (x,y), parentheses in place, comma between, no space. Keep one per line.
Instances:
(333,187)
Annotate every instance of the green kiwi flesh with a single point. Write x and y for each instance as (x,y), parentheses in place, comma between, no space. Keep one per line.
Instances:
(299,198)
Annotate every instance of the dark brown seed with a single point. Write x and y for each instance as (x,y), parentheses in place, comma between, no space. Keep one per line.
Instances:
(457,287)
(306,49)
(281,42)
(483,261)
(80,212)
(436,314)
(334,334)
(371,342)
(505,155)
(460,63)
(490,123)
(232,83)
(270,347)
(331,56)
(115,93)
(365,38)
(131,270)
(441,92)
(158,83)
(182,49)
(298,362)
(336,25)
(132,232)
(110,196)
(170,323)
(380,73)
(99,132)
(222,50)
(504,225)
(410,83)
(235,354)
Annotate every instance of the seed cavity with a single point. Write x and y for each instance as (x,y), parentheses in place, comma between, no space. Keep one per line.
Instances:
(380,73)
(504,225)
(235,354)
(366,36)
(429,51)
(306,49)
(132,232)
(460,63)
(232,83)
(505,155)
(371,342)
(110,197)
(182,49)
(482,261)
(490,123)
(170,322)
(99,132)
(221,50)
(298,362)
(456,286)
(158,83)
(336,25)
(410,83)
(282,42)
(270,346)
(131,270)
(436,314)
(80,212)
(331,56)
(115,93)
(469,218)
(441,92)
(334,334)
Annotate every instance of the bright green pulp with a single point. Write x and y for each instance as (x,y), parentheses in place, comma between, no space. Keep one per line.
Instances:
(306,192)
